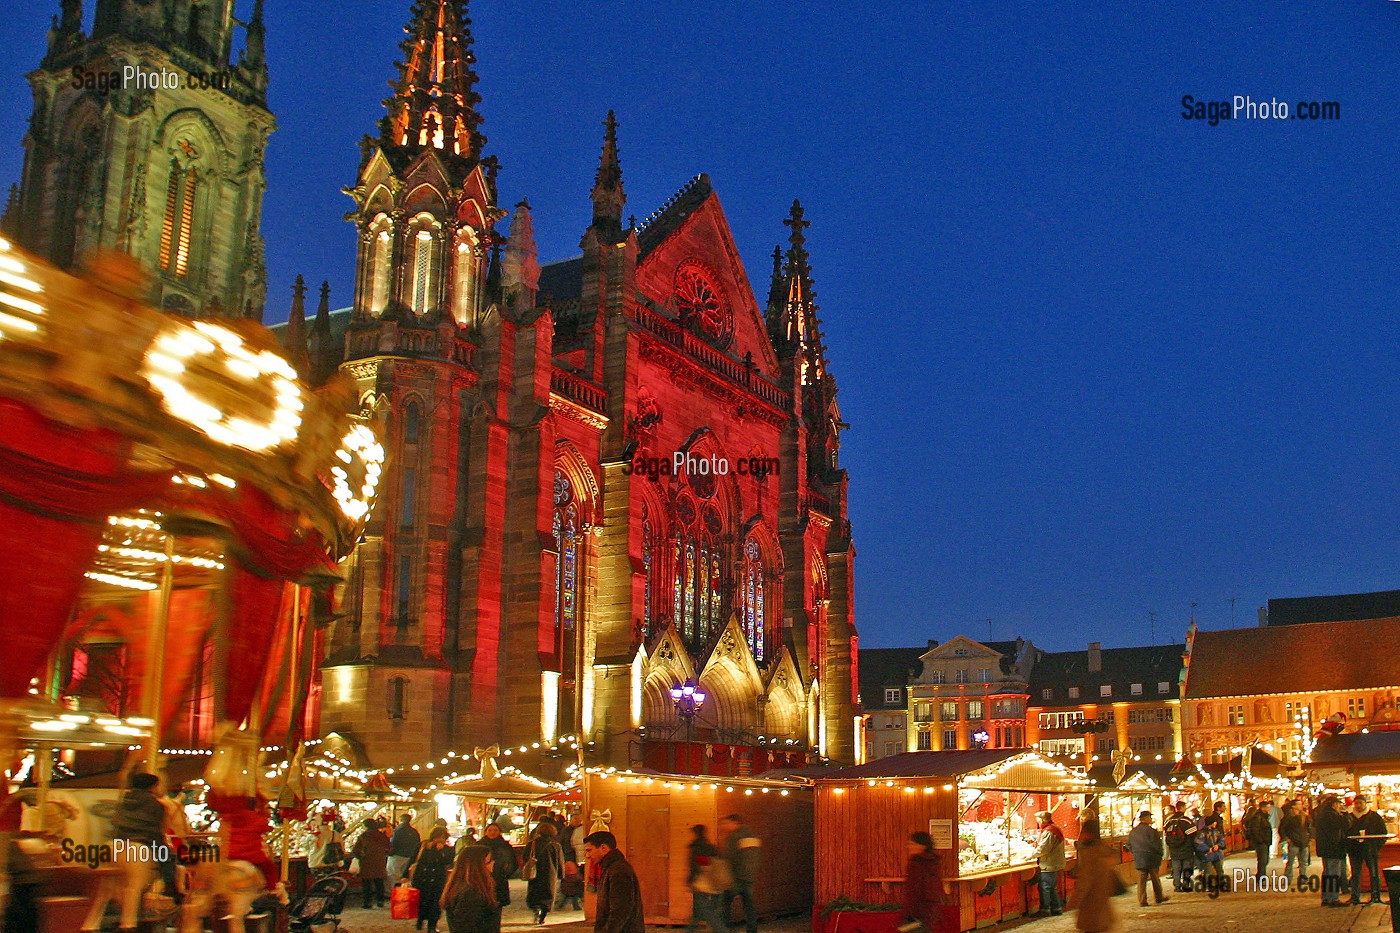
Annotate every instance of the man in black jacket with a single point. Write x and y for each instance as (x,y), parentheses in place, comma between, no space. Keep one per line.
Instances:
(619,895)
(1331,827)
(1367,834)
(1259,833)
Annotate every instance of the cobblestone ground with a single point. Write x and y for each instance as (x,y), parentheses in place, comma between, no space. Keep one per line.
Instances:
(1238,912)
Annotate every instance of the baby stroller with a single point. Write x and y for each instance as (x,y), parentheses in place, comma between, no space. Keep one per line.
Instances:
(322,905)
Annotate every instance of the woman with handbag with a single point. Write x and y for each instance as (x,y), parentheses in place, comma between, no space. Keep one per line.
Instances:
(428,874)
(1096,881)
(542,870)
(469,900)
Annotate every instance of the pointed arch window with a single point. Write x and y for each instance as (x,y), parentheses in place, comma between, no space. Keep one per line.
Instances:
(412,422)
(424,271)
(465,278)
(698,580)
(379,272)
(177,227)
(566,542)
(647,557)
(755,629)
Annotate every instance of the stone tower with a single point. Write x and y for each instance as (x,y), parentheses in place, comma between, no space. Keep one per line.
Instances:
(148,137)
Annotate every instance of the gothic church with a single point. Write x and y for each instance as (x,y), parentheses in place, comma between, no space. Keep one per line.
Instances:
(520,582)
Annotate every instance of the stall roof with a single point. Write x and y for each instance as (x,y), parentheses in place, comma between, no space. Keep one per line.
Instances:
(1366,749)
(1004,768)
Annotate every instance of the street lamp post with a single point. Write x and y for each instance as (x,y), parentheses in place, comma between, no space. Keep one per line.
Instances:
(688,697)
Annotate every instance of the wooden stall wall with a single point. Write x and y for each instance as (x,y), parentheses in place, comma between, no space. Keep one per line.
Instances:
(860,834)
(652,823)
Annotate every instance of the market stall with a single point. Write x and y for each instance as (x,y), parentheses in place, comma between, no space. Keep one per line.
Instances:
(1364,763)
(651,815)
(978,805)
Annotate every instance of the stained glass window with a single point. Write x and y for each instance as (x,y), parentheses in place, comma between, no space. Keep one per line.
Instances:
(753,599)
(566,526)
(689,615)
(646,572)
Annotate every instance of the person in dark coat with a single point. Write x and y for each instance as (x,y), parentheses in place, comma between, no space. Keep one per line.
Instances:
(1145,843)
(469,899)
(923,883)
(1331,829)
(1366,834)
(506,863)
(1180,831)
(140,824)
(1259,833)
(372,849)
(403,846)
(1296,829)
(742,850)
(429,875)
(541,890)
(619,908)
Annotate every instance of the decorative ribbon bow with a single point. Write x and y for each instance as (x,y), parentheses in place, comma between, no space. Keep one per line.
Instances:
(601,819)
(1120,764)
(487,757)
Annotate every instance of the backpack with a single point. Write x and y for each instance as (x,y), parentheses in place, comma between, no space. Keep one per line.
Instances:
(1176,834)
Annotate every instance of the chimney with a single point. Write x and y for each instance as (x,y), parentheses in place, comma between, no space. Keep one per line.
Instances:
(1263,616)
(932,643)
(1095,658)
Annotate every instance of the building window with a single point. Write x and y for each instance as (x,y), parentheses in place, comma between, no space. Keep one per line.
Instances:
(177,228)
(424,272)
(1061,746)
(984,674)
(950,739)
(1164,686)
(950,711)
(566,543)
(403,588)
(1106,744)
(1074,693)
(961,676)
(1234,716)
(923,712)
(1135,690)
(753,604)
(648,540)
(1152,743)
(974,709)
(381,246)
(695,555)
(1106,690)
(1356,708)
(1047,694)
(398,698)
(925,740)
(1136,716)
(893,695)
(409,500)
(893,748)
(412,422)
(938,677)
(1060,720)
(1107,715)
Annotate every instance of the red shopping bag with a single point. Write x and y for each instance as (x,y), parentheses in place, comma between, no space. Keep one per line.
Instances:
(403,903)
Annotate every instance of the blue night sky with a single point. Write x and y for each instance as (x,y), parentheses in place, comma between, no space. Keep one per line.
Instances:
(1099,360)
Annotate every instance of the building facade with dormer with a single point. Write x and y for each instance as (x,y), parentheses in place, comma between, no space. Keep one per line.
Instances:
(970,694)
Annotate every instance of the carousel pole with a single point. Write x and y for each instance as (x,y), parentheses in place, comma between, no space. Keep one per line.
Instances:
(155,654)
(293,755)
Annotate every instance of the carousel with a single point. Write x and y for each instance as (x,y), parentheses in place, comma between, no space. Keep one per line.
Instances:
(181,499)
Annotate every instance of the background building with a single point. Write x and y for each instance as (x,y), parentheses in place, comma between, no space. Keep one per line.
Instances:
(885,676)
(1249,686)
(1349,607)
(968,689)
(1135,690)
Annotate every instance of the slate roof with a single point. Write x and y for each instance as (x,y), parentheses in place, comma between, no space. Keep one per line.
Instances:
(1309,658)
(669,217)
(562,280)
(1358,748)
(886,667)
(1121,668)
(1346,608)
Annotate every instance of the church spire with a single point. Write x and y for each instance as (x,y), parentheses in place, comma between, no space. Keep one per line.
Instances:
(295,342)
(255,48)
(520,269)
(608,196)
(434,100)
(793,291)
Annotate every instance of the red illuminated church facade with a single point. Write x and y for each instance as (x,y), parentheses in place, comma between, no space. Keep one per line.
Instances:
(535,571)
(522,583)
